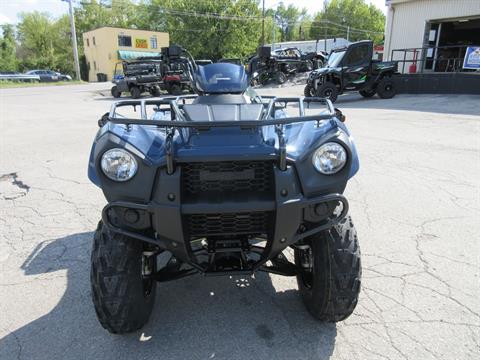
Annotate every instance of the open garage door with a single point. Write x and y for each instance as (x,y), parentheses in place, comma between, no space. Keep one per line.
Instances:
(446,42)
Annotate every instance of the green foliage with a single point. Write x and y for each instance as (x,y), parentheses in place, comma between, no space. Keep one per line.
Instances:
(289,19)
(206,36)
(354,13)
(209,29)
(8,58)
(44,43)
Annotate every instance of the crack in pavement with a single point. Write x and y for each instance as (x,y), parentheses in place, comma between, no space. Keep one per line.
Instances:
(13,179)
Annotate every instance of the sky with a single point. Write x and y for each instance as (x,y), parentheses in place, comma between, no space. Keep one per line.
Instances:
(10,9)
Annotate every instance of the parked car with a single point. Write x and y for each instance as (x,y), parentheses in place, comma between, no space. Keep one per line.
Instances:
(49,75)
(352,69)
(16,76)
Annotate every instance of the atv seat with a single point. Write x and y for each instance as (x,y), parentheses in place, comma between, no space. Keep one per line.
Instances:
(223,112)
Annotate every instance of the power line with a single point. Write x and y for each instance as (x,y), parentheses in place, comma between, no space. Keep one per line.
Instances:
(253,18)
(210,15)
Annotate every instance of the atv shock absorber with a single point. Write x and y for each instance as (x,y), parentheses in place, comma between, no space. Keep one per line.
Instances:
(169,151)
(282,148)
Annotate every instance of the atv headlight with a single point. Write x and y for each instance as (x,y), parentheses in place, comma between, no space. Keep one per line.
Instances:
(329,158)
(118,165)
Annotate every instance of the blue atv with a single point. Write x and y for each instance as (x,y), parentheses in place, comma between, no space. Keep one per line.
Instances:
(222,183)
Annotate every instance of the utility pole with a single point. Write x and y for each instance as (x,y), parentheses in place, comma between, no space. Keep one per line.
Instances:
(325,36)
(263,23)
(273,31)
(74,39)
(348,33)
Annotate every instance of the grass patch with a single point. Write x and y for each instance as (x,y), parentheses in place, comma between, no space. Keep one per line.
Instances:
(5,84)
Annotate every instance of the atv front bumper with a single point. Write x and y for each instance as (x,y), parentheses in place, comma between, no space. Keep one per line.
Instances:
(168,221)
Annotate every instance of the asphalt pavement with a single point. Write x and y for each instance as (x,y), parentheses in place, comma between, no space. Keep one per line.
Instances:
(415,203)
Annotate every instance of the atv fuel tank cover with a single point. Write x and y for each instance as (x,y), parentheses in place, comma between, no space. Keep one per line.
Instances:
(221,78)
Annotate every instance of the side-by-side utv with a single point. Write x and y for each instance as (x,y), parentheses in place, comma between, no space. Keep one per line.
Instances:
(352,69)
(139,76)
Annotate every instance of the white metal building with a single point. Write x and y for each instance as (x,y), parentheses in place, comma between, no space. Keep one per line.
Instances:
(313,45)
(427,25)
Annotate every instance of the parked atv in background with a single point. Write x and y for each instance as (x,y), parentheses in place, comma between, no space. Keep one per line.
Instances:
(264,68)
(139,76)
(352,69)
(302,61)
(207,185)
(268,71)
(177,70)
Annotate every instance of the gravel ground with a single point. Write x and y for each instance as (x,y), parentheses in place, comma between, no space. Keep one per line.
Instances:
(415,203)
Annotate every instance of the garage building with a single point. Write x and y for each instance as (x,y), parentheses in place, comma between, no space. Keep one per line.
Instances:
(431,35)
(106,46)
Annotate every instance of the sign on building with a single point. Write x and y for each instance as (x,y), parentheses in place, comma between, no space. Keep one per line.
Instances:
(472,58)
(141,43)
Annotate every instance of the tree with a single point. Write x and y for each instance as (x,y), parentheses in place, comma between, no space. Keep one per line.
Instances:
(94,14)
(365,21)
(207,28)
(8,58)
(289,19)
(44,43)
(35,33)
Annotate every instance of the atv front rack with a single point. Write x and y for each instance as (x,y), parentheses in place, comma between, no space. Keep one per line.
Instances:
(179,120)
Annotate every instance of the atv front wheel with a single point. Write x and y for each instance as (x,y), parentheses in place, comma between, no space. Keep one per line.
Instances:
(386,88)
(281,77)
(175,89)
(155,91)
(367,93)
(329,279)
(122,293)
(327,90)
(115,92)
(308,91)
(309,65)
(135,92)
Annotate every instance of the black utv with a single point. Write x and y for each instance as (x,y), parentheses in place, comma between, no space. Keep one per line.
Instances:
(352,69)
(301,60)
(139,76)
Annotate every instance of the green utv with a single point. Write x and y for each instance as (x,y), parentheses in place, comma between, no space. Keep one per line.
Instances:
(352,69)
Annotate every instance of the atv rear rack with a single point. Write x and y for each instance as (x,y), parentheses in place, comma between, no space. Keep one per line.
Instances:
(178,119)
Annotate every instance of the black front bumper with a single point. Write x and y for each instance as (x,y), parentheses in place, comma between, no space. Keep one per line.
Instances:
(166,214)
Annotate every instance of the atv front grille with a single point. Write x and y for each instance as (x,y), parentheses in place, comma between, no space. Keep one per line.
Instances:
(228,177)
(200,225)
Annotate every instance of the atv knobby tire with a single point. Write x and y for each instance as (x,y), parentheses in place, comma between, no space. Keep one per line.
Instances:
(367,93)
(115,92)
(122,297)
(308,91)
(155,91)
(330,284)
(175,89)
(308,65)
(386,88)
(135,92)
(327,90)
(281,78)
